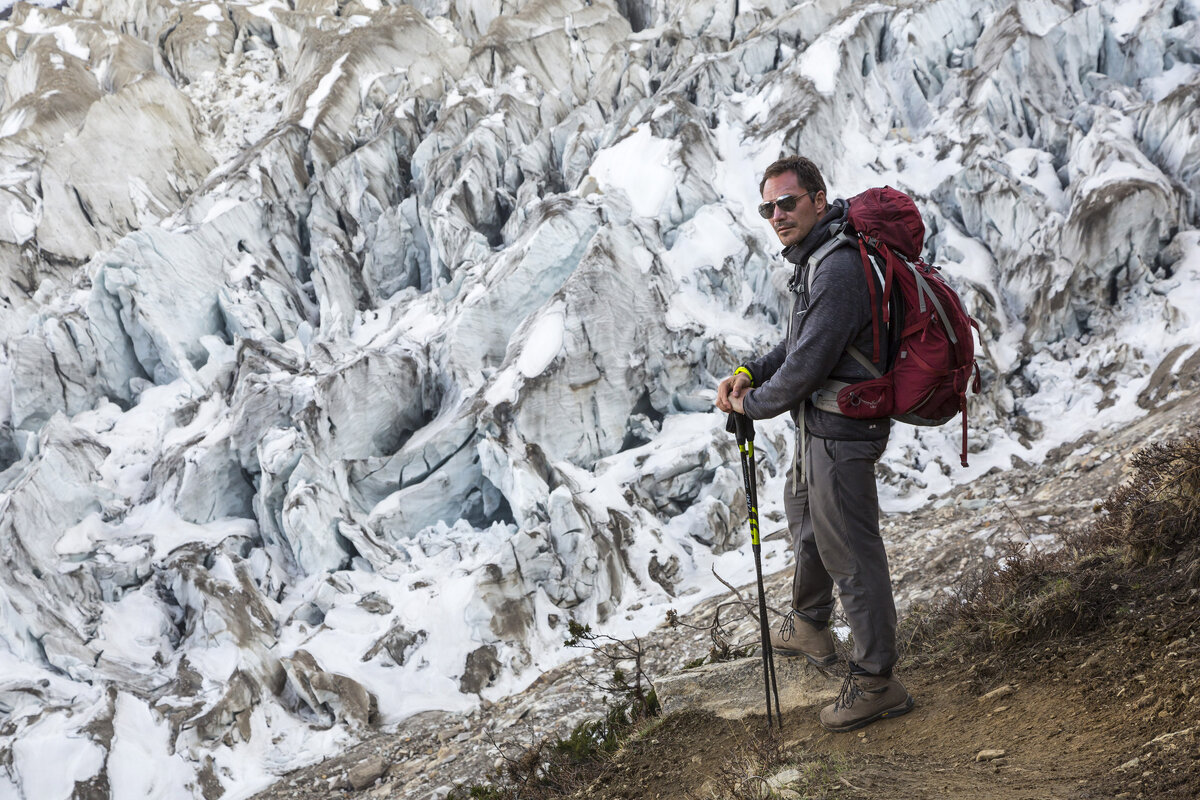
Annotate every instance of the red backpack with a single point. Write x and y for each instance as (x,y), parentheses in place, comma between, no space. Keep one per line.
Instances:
(924,327)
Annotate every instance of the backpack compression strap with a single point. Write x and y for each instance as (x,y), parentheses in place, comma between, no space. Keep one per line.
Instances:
(868,263)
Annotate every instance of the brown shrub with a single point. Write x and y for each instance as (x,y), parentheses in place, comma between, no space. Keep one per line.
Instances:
(1156,513)
(1147,537)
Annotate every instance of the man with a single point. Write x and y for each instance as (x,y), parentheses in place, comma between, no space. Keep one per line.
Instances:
(831,498)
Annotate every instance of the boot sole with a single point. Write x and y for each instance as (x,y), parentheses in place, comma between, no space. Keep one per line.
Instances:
(897,711)
(827,661)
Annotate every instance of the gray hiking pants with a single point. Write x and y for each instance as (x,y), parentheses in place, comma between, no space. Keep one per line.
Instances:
(834,522)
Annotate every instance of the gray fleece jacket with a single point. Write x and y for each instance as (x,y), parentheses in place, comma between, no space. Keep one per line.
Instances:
(833,313)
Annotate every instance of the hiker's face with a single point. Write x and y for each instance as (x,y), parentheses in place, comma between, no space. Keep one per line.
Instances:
(792,226)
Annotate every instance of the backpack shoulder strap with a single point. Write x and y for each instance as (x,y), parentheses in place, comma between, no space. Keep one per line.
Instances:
(841,239)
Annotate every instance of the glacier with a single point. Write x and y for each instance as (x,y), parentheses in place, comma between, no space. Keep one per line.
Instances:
(351,347)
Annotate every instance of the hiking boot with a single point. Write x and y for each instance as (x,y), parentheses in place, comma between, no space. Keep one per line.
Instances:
(864,699)
(799,637)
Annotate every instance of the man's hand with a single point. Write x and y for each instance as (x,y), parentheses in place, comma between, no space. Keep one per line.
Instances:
(731,391)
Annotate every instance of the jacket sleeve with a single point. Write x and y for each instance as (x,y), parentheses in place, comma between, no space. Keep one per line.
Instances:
(838,309)
(761,369)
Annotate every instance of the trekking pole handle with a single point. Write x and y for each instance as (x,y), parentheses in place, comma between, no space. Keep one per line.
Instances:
(741,426)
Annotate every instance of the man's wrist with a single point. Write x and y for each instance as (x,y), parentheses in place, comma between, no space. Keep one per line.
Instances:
(746,372)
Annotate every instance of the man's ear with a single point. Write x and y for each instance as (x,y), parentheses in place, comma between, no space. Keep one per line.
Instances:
(819,202)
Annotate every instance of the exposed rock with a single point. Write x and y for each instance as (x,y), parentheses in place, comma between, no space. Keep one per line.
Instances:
(735,689)
(332,698)
(365,774)
(997,693)
(398,643)
(480,670)
(1171,739)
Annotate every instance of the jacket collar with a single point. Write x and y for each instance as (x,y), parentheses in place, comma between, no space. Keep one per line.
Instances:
(826,226)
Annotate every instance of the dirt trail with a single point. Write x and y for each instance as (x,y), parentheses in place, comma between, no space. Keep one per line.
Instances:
(1104,717)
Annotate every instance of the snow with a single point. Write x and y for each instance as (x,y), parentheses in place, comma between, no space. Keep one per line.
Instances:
(1180,74)
(12,122)
(211,12)
(821,60)
(1035,168)
(313,105)
(141,763)
(742,160)
(542,343)
(127,635)
(1127,15)
(38,22)
(502,390)
(267,8)
(51,757)
(640,166)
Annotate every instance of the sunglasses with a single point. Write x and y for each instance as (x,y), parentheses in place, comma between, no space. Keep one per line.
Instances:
(786,203)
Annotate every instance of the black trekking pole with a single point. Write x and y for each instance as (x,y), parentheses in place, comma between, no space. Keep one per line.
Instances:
(743,428)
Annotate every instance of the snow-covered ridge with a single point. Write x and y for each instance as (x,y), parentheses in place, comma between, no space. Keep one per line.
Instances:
(349,348)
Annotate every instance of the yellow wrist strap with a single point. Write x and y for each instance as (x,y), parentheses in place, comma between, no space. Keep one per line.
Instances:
(745,372)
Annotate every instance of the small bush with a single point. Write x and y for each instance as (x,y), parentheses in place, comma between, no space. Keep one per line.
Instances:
(1156,514)
(476,792)
(1028,595)
(591,741)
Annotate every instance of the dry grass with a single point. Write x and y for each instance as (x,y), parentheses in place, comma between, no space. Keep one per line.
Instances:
(1146,540)
(765,769)
(1156,514)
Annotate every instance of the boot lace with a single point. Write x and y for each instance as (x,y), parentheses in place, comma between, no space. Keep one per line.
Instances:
(850,692)
(788,626)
